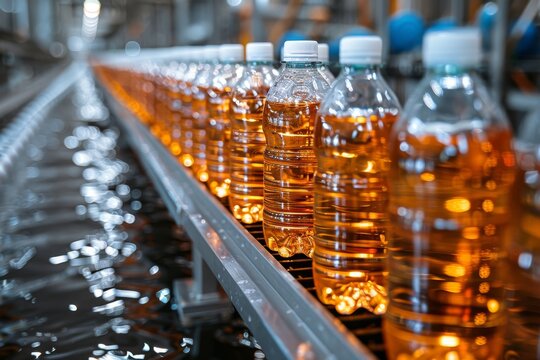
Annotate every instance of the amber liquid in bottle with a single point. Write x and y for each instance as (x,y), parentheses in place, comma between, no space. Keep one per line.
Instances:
(199,121)
(186,124)
(163,111)
(173,130)
(219,134)
(351,203)
(159,123)
(247,157)
(289,166)
(449,212)
(148,100)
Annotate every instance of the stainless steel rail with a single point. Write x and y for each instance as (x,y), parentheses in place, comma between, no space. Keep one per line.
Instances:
(287,321)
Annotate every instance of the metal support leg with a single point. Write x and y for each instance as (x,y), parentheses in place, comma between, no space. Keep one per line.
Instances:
(459,11)
(499,51)
(199,299)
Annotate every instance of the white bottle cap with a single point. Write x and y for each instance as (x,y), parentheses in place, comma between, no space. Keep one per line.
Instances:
(323,51)
(300,50)
(231,52)
(211,52)
(360,50)
(259,51)
(457,47)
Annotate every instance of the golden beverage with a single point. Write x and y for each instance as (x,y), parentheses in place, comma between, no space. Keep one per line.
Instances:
(247,156)
(219,134)
(171,134)
(449,211)
(199,118)
(159,119)
(186,124)
(351,200)
(289,166)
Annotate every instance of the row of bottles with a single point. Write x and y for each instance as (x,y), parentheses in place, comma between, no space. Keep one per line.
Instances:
(405,213)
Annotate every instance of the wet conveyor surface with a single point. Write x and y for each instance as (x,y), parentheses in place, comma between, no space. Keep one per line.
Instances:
(88,252)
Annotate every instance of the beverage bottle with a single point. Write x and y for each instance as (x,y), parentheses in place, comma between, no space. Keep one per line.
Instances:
(199,113)
(173,74)
(523,282)
(324,59)
(289,159)
(195,65)
(247,137)
(147,94)
(451,174)
(159,105)
(218,103)
(351,182)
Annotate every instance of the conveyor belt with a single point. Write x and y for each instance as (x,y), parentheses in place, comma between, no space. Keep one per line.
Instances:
(363,324)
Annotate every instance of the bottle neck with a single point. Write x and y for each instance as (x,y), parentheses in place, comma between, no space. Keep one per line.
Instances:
(257,63)
(301,64)
(449,70)
(361,69)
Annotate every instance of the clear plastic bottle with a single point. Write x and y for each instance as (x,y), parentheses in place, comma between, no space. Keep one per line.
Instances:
(218,104)
(174,76)
(289,159)
(351,182)
(148,71)
(452,173)
(523,280)
(196,64)
(160,105)
(324,59)
(199,112)
(152,88)
(247,137)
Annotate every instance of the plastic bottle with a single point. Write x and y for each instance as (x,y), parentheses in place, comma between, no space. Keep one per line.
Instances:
(218,103)
(150,95)
(173,78)
(452,172)
(289,158)
(163,120)
(324,59)
(351,182)
(199,112)
(523,280)
(247,137)
(196,64)
(159,123)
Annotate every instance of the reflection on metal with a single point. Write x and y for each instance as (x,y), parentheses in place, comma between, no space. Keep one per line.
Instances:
(75,298)
(281,313)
